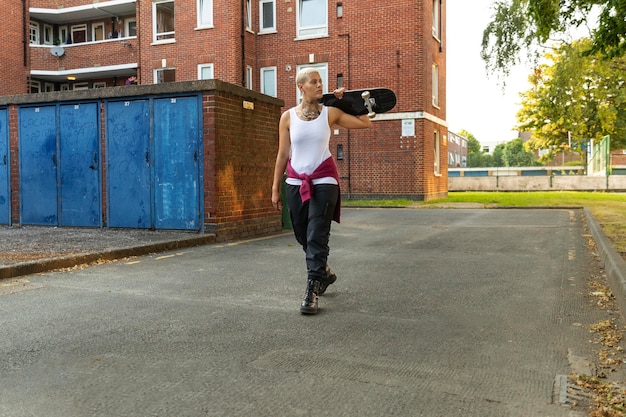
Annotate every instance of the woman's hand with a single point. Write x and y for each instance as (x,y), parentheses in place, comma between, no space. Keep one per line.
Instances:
(339,92)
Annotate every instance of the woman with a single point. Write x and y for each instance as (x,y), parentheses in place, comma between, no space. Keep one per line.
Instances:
(313,195)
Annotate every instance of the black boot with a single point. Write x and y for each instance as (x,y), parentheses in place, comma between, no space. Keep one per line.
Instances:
(329,278)
(309,304)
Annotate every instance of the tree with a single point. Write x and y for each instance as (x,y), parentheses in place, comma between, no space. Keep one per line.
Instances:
(574,96)
(526,25)
(516,155)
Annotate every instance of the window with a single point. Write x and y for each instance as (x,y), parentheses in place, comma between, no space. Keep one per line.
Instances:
(249,77)
(436,25)
(34,33)
(205,72)
(163,20)
(312,18)
(322,69)
(97,32)
(64,35)
(130,27)
(164,75)
(47,35)
(100,84)
(48,87)
(249,14)
(64,87)
(267,15)
(35,86)
(437,150)
(205,13)
(268,81)
(435,85)
(80,86)
(79,33)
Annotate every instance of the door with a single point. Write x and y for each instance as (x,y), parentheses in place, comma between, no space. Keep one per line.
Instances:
(38,165)
(176,163)
(79,167)
(5,180)
(129,201)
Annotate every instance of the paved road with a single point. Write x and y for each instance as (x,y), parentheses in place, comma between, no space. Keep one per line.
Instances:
(435,313)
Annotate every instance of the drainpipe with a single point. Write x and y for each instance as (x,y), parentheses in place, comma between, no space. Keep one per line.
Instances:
(24,28)
(243,42)
(347,36)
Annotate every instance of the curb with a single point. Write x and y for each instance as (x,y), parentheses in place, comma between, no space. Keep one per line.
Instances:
(49,264)
(614,264)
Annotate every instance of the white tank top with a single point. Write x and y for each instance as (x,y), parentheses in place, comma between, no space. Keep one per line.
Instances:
(309,145)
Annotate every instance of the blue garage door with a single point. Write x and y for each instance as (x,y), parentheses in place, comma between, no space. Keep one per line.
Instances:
(176,163)
(38,165)
(5,193)
(79,138)
(129,201)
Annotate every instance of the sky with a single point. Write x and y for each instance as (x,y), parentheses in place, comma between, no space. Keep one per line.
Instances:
(476,101)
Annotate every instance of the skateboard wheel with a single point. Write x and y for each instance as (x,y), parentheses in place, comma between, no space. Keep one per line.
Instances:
(365,95)
(371,115)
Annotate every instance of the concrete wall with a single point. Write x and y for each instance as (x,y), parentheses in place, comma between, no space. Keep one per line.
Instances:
(538,183)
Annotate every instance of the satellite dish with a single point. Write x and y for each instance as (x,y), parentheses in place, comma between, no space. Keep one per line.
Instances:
(57,51)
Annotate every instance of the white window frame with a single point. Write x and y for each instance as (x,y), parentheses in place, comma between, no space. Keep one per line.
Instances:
(159,70)
(127,23)
(64,87)
(272,72)
(322,68)
(249,77)
(78,28)
(63,33)
(48,34)
(162,37)
(204,11)
(94,28)
(249,15)
(435,85)
(437,151)
(48,87)
(267,29)
(35,85)
(100,84)
(202,68)
(305,32)
(80,86)
(436,19)
(34,33)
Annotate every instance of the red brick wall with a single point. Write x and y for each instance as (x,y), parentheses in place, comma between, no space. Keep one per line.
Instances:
(14,78)
(240,152)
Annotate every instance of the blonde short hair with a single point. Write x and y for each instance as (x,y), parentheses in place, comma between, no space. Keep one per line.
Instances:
(304,74)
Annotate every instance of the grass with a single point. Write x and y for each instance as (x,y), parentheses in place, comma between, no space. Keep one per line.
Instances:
(608,208)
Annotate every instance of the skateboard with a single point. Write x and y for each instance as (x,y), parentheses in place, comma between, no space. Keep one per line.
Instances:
(367,101)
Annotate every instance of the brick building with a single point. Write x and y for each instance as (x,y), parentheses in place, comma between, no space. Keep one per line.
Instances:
(260,45)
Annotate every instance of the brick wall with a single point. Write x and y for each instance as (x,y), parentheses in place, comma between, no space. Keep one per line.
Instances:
(12,56)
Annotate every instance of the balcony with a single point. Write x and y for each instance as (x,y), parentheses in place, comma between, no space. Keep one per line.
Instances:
(85,61)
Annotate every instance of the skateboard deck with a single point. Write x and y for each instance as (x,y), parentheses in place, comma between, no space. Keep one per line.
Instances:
(366,101)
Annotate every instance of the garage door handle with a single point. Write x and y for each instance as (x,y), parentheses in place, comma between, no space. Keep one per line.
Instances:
(147,157)
(54,160)
(4,160)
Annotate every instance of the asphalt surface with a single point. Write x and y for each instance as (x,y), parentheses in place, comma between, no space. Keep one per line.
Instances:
(466,312)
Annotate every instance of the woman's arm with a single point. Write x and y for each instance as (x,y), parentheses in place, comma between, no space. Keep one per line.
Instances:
(284,147)
(338,117)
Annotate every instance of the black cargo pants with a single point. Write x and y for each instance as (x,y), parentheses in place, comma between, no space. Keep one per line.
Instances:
(311,224)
